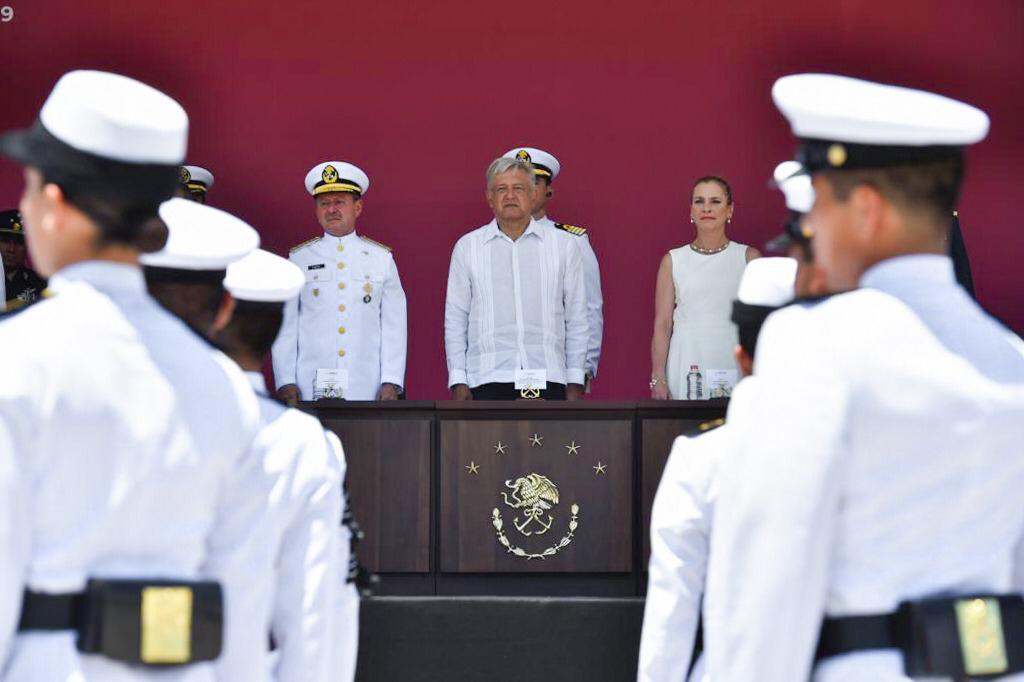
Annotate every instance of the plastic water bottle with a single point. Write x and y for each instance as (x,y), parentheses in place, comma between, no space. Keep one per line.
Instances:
(694,384)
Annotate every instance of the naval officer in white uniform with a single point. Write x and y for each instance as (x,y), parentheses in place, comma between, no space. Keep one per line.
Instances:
(305,546)
(873,500)
(684,504)
(195,182)
(345,336)
(120,429)
(546,167)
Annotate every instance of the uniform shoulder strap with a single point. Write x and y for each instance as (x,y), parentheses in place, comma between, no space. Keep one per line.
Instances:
(305,243)
(706,427)
(375,243)
(571,229)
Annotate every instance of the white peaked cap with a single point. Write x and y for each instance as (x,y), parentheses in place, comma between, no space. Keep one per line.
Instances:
(830,107)
(200,237)
(263,277)
(191,175)
(768,282)
(796,185)
(544,164)
(336,176)
(116,117)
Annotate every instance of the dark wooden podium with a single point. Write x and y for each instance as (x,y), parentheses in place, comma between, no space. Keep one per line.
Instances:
(529,497)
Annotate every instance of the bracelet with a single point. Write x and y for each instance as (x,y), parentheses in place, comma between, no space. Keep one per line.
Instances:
(654,382)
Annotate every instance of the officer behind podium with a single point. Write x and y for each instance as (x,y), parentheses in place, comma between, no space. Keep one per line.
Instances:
(118,426)
(872,501)
(345,336)
(546,167)
(305,546)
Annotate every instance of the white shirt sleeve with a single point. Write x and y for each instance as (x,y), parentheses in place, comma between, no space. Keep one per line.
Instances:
(346,625)
(308,561)
(776,509)
(285,351)
(456,317)
(15,543)
(394,328)
(680,526)
(574,299)
(595,304)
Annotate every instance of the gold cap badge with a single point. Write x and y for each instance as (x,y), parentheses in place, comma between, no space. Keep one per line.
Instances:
(330,175)
(837,155)
(524,155)
(184,176)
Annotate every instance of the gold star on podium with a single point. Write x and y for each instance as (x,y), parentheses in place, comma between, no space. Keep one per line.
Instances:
(599,469)
(573,449)
(473,468)
(536,441)
(499,449)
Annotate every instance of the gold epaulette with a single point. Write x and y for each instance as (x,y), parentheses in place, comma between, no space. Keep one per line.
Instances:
(375,243)
(571,229)
(709,426)
(305,243)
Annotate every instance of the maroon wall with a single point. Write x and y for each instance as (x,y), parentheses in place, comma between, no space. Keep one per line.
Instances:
(634,99)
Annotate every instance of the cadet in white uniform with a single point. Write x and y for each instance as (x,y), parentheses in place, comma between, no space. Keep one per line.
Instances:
(306,547)
(546,167)
(120,430)
(875,471)
(684,504)
(195,182)
(348,326)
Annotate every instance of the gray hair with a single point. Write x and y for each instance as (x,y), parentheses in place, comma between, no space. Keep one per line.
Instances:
(504,165)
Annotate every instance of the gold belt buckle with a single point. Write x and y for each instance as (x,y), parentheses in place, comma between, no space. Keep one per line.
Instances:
(529,393)
(980,625)
(166,625)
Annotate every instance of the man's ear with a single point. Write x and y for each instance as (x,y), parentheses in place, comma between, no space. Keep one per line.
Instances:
(867,212)
(358,205)
(224,314)
(744,361)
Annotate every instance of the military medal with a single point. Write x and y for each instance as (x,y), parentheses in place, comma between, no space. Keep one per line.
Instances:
(316,292)
(368,288)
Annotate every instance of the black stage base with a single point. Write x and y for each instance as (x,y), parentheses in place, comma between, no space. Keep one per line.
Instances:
(498,639)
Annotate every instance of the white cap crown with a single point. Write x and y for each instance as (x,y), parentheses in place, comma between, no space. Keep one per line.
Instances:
(263,277)
(768,282)
(336,176)
(795,186)
(201,237)
(545,164)
(116,117)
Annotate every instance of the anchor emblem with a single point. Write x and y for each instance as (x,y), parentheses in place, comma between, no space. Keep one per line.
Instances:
(536,495)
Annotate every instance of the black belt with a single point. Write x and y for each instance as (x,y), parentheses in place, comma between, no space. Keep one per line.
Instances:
(156,622)
(974,637)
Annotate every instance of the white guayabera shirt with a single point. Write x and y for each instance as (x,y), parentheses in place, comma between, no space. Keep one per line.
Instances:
(515,305)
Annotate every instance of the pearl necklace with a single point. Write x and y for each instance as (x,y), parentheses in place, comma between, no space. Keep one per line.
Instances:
(709,252)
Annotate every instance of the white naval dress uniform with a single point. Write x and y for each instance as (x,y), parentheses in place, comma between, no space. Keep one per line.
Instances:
(680,532)
(122,440)
(595,301)
(302,549)
(515,305)
(877,466)
(351,316)
(347,610)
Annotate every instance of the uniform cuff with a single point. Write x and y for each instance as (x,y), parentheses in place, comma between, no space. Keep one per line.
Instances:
(575,376)
(457,376)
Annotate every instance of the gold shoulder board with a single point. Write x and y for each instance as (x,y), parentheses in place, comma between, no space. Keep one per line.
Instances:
(571,229)
(710,426)
(305,243)
(375,243)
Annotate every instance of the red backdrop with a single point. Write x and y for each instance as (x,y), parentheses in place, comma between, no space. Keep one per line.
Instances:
(636,100)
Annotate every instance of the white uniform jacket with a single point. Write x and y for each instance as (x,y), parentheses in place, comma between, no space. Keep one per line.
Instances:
(680,532)
(595,301)
(347,610)
(301,549)
(351,315)
(123,437)
(876,467)
(515,305)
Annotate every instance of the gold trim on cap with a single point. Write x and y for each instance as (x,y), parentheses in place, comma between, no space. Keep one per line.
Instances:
(337,187)
(197,186)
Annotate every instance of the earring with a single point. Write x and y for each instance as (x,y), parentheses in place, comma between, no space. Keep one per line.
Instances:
(692,221)
(729,221)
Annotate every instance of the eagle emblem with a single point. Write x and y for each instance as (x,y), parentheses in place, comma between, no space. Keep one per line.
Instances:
(184,176)
(535,495)
(330,175)
(524,155)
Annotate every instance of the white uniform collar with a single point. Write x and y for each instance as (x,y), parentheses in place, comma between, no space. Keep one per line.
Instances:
(494,231)
(923,269)
(258,383)
(331,239)
(103,275)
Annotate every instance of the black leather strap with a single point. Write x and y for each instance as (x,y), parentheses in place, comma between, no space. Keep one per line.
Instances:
(41,611)
(858,633)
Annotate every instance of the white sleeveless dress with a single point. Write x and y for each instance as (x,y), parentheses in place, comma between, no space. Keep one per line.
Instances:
(702,332)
